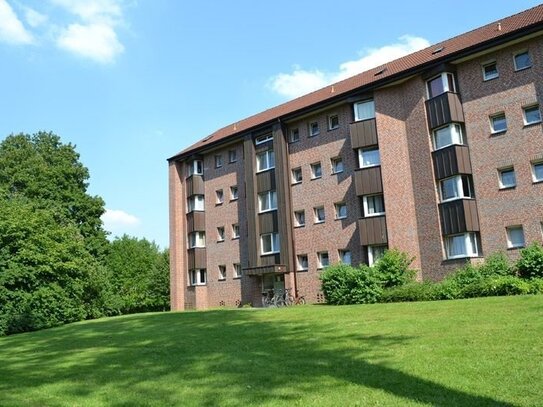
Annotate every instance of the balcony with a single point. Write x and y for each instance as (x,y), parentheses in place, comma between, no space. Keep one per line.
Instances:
(443,109)
(373,230)
(368,181)
(273,269)
(196,222)
(195,185)
(265,181)
(268,222)
(459,216)
(452,160)
(196,258)
(363,133)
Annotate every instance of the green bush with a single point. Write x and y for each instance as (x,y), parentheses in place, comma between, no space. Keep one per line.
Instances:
(410,292)
(496,286)
(536,285)
(530,264)
(496,264)
(343,284)
(393,268)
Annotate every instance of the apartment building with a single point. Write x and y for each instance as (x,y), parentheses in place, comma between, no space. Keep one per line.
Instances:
(438,154)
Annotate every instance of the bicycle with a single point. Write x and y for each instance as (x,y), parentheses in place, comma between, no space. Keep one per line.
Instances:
(291,300)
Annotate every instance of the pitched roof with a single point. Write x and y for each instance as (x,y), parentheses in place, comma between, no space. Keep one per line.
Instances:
(501,29)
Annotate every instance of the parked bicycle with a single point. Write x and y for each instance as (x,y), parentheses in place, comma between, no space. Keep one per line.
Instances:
(273,298)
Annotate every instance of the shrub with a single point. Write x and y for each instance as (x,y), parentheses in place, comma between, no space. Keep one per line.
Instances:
(344,284)
(536,285)
(495,286)
(410,292)
(530,264)
(496,264)
(393,268)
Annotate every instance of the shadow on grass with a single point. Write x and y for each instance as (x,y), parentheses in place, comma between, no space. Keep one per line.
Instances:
(210,358)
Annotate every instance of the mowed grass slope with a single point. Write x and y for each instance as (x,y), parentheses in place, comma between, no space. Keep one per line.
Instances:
(481,352)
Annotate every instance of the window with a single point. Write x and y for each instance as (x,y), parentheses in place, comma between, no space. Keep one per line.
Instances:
(303,263)
(324,261)
(490,71)
(531,115)
(374,205)
(333,122)
(265,161)
(237,270)
(319,214)
(296,175)
(196,167)
(522,60)
(498,123)
(267,201)
(507,178)
(369,157)
(269,243)
(345,256)
(337,165)
(218,161)
(219,197)
(220,234)
(264,139)
(341,210)
(316,170)
(299,218)
(464,245)
(197,277)
(537,171)
(222,272)
(441,84)
(448,135)
(457,187)
(235,231)
(232,156)
(294,135)
(233,193)
(364,110)
(197,239)
(375,253)
(314,129)
(515,236)
(195,203)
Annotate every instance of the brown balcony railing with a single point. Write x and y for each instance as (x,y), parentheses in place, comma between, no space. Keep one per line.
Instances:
(373,230)
(443,109)
(459,216)
(452,160)
(363,133)
(368,181)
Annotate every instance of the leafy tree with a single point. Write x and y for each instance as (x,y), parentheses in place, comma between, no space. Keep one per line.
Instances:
(530,263)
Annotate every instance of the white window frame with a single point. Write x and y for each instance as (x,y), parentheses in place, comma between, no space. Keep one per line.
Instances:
(510,243)
(197,239)
(455,134)
(363,102)
(444,82)
(300,264)
(297,222)
(267,201)
(293,176)
(495,116)
(318,130)
(344,255)
(197,277)
(362,151)
(320,257)
(218,161)
(314,166)
(372,258)
(234,193)
(337,162)
(366,206)
(265,161)
(330,125)
(294,135)
(338,206)
(469,240)
(196,167)
(493,75)
(232,156)
(235,231)
(219,197)
(264,138)
(531,107)
(274,243)
(459,182)
(196,203)
(220,233)
(222,272)
(534,173)
(501,171)
(516,54)
(236,267)
(316,212)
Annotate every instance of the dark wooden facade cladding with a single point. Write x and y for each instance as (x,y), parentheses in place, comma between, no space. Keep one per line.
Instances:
(268,222)
(275,269)
(363,133)
(452,160)
(265,181)
(443,109)
(368,181)
(195,185)
(196,221)
(197,258)
(373,230)
(459,216)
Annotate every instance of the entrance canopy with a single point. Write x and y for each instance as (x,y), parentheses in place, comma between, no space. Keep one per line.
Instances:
(273,269)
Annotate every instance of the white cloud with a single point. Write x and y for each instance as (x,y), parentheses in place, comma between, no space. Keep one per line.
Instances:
(117,220)
(33,18)
(92,10)
(12,29)
(301,81)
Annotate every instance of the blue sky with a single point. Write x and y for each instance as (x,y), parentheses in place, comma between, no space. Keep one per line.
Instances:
(131,83)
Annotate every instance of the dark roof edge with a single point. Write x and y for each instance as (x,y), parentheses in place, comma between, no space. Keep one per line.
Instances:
(521,32)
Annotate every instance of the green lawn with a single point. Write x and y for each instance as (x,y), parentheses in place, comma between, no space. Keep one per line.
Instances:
(481,352)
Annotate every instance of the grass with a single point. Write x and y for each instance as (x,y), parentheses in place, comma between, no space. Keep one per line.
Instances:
(480,352)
